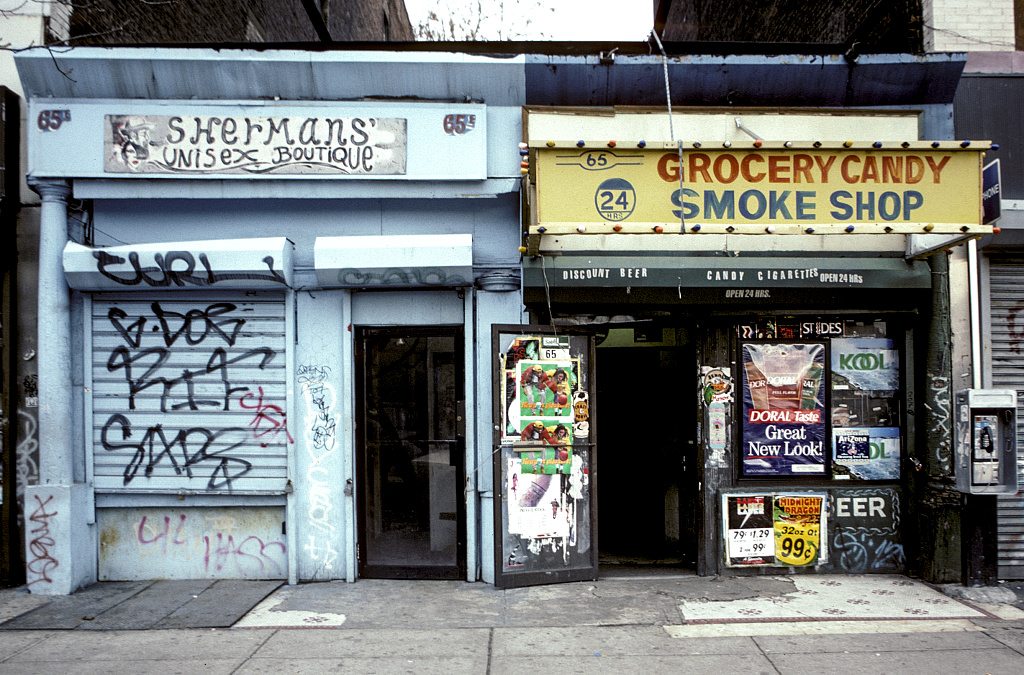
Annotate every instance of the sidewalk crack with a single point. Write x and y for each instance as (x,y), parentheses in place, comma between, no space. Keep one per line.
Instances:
(490,649)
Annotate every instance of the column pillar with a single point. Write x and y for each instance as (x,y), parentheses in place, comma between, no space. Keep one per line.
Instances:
(60,550)
(56,458)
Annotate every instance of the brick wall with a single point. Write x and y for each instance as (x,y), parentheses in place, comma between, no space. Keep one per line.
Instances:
(365,21)
(969,25)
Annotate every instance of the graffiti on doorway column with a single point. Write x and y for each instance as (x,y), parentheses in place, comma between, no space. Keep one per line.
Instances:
(27,451)
(941,420)
(321,443)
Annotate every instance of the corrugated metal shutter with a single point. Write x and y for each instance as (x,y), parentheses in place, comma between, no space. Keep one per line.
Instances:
(1006,288)
(189,394)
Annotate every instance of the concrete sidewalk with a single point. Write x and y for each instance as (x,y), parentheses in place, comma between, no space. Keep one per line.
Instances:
(617,624)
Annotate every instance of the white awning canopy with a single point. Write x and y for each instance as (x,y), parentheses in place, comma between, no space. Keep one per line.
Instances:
(403,261)
(261,263)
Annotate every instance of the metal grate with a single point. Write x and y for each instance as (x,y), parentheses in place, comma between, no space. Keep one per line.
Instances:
(189,394)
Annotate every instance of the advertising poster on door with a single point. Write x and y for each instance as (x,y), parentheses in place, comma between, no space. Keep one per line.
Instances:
(545,391)
(546,388)
(540,382)
(539,506)
(783,409)
(554,447)
(522,348)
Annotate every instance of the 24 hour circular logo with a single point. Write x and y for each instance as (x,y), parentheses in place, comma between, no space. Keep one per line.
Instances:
(615,199)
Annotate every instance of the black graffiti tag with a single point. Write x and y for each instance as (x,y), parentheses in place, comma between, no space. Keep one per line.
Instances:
(176,268)
(196,324)
(183,450)
(143,367)
(188,367)
(121,358)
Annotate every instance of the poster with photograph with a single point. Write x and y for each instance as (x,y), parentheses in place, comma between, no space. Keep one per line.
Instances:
(866,365)
(538,506)
(522,348)
(783,402)
(866,453)
(545,388)
(553,443)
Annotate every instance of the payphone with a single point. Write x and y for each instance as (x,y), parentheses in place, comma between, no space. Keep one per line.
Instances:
(986,441)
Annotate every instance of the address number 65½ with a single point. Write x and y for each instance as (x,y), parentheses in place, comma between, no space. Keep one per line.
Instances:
(50,120)
(456,125)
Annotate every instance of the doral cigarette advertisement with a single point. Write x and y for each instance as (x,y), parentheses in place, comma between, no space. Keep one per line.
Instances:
(783,409)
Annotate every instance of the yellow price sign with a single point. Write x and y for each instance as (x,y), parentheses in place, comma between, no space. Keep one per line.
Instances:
(797,529)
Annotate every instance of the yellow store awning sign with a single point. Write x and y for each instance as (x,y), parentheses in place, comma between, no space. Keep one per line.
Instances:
(921,189)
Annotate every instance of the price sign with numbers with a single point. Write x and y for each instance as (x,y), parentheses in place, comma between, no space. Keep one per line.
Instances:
(798,528)
(774,529)
(552,348)
(749,530)
(750,543)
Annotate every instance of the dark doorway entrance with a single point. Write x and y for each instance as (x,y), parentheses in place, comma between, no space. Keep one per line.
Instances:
(410,452)
(647,455)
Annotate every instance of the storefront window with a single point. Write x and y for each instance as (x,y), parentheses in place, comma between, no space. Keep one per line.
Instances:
(820,399)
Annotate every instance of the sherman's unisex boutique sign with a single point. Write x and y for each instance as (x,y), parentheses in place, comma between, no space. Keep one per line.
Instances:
(260,140)
(244,144)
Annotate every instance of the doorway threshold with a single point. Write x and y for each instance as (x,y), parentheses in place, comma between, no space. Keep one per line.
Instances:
(614,566)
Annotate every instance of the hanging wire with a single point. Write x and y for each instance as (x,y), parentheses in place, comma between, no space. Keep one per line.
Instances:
(547,294)
(671,129)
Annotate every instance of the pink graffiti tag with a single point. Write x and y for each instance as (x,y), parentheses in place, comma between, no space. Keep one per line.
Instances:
(250,555)
(162,538)
(221,550)
(273,415)
(42,562)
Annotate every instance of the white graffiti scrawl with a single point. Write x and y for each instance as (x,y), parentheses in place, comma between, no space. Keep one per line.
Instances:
(942,417)
(321,443)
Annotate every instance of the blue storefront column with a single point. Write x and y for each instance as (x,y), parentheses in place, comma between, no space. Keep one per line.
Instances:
(59,534)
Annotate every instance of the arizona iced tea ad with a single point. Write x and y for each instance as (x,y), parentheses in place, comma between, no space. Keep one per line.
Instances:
(783,409)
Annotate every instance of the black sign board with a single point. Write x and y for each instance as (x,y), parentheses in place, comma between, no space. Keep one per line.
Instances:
(991,193)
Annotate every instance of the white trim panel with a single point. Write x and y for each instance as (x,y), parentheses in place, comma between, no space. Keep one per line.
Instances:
(443,260)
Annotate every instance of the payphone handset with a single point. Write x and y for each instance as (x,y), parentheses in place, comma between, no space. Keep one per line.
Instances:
(986,453)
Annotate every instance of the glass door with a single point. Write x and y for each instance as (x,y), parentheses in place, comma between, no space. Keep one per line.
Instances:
(410,452)
(545,477)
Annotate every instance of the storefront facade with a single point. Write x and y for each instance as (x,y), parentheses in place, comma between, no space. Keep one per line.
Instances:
(267,364)
(326,322)
(998,262)
(768,331)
